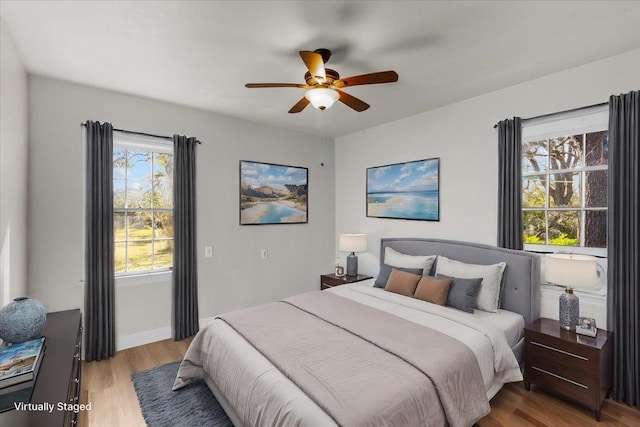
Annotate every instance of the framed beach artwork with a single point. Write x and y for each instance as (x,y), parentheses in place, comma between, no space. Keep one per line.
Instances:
(273,194)
(409,190)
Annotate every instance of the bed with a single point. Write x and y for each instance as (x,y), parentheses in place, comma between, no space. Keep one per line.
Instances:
(359,355)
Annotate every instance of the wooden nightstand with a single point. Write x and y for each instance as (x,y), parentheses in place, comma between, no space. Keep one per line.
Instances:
(330,280)
(576,366)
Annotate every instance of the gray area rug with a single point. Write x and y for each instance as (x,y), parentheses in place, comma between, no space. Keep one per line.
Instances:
(193,405)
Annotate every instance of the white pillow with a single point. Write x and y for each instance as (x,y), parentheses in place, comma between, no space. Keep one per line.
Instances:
(398,259)
(491,279)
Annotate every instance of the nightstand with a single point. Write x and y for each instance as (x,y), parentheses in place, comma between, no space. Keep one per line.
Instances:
(573,365)
(330,280)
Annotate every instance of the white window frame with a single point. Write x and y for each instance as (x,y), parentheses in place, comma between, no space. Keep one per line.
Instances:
(124,140)
(585,121)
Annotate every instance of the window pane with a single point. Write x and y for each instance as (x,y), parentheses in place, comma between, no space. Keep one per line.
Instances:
(534,156)
(163,166)
(595,229)
(564,189)
(163,227)
(119,195)
(139,225)
(534,227)
(119,255)
(534,191)
(119,163)
(139,256)
(138,164)
(162,194)
(564,228)
(163,253)
(139,194)
(565,152)
(595,192)
(597,148)
(119,227)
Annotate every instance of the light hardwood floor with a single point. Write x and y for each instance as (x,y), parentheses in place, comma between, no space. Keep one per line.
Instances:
(107,385)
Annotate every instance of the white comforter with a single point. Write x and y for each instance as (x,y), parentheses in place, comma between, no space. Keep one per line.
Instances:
(261,395)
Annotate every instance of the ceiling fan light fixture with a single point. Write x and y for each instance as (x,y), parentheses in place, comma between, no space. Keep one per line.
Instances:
(322,98)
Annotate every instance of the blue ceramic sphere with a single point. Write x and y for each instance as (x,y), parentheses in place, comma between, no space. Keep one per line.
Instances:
(21,320)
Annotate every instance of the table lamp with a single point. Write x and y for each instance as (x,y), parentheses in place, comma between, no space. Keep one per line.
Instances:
(571,271)
(352,243)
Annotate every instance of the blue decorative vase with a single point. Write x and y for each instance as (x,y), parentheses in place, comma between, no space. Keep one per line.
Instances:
(21,320)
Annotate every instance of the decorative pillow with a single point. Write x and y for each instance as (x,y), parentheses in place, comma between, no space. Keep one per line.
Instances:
(385,272)
(491,279)
(398,259)
(433,290)
(462,293)
(403,283)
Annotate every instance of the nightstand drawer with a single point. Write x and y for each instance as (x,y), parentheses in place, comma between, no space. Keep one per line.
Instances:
(563,371)
(330,281)
(562,346)
(576,390)
(582,362)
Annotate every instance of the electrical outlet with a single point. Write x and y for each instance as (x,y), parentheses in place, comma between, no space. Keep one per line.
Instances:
(208,251)
(264,254)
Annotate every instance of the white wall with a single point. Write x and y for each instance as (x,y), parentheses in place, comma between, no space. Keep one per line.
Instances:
(13,171)
(236,276)
(462,135)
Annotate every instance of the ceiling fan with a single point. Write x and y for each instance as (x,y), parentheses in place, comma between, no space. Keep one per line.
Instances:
(324,84)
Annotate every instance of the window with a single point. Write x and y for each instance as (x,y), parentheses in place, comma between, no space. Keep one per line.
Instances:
(142,204)
(564,183)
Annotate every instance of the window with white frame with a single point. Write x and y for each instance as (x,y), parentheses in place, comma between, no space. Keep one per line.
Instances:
(564,182)
(142,204)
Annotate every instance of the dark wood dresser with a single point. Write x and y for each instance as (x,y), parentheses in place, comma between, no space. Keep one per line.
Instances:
(330,280)
(58,381)
(576,366)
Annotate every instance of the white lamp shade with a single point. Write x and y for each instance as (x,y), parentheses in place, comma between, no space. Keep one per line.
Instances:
(574,271)
(322,98)
(353,242)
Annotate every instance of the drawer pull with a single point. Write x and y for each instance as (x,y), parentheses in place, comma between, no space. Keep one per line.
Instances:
(560,377)
(559,351)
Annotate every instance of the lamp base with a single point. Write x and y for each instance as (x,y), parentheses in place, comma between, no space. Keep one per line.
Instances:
(352,265)
(569,310)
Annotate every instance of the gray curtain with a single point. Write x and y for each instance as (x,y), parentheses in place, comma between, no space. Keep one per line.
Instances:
(99,269)
(185,271)
(623,245)
(509,184)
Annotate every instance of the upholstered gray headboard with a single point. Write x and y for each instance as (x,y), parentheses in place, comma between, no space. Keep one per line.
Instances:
(521,281)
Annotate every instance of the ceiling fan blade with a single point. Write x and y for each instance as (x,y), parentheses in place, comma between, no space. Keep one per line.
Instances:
(258,85)
(300,105)
(315,64)
(368,79)
(351,101)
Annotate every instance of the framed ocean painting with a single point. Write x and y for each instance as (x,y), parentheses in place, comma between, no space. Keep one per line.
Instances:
(409,190)
(273,194)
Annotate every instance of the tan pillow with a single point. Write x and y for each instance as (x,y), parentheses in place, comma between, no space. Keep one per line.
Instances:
(402,283)
(433,290)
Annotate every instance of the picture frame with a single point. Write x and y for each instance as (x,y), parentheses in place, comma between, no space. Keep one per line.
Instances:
(408,190)
(272,193)
(587,326)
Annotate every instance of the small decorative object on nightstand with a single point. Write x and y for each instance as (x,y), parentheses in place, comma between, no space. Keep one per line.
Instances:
(330,280)
(576,366)
(571,271)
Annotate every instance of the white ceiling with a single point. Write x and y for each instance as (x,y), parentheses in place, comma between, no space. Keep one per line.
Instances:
(201,53)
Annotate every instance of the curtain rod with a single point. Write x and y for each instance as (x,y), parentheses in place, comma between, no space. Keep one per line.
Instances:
(133,132)
(562,112)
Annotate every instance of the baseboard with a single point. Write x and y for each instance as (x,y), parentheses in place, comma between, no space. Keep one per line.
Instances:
(143,337)
(151,335)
